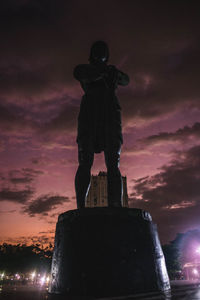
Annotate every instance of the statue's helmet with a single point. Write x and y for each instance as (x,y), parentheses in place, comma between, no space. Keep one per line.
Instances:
(99,52)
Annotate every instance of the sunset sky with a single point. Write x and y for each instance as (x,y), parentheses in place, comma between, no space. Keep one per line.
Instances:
(157,43)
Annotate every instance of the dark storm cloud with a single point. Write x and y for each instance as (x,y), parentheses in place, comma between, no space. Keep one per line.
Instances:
(11,211)
(2,145)
(177,182)
(165,71)
(17,185)
(158,92)
(173,194)
(8,120)
(17,180)
(44,204)
(41,160)
(162,60)
(24,176)
(32,57)
(13,120)
(5,115)
(65,121)
(25,82)
(184,135)
(16,196)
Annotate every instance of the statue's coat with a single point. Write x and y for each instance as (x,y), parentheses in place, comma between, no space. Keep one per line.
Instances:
(99,120)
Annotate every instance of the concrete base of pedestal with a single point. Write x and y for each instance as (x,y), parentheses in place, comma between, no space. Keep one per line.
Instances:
(107,252)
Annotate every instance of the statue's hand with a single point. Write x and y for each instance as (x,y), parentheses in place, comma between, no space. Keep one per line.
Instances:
(111,76)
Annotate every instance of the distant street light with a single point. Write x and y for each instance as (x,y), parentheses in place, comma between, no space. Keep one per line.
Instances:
(47,279)
(42,281)
(195,271)
(17,276)
(33,275)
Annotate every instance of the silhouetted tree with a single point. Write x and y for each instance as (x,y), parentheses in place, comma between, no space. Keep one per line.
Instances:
(181,250)
(23,258)
(172,258)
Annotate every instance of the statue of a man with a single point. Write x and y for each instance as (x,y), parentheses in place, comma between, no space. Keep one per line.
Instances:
(99,123)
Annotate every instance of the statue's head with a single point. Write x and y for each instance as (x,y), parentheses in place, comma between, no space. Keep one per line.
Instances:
(99,52)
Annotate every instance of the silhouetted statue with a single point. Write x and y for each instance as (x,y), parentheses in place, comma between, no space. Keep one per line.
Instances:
(99,123)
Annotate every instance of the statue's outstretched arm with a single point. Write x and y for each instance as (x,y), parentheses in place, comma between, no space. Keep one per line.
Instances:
(87,73)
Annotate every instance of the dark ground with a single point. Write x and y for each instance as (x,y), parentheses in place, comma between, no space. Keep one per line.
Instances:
(186,290)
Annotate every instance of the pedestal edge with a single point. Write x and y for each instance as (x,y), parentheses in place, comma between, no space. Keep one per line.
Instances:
(112,211)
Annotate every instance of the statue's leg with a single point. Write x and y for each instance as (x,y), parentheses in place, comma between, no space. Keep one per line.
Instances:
(82,178)
(114,179)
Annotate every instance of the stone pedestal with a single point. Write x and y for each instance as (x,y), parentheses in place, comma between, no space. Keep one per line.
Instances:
(107,252)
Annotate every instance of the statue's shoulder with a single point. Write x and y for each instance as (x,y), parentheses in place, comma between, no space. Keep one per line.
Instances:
(85,72)
(81,68)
